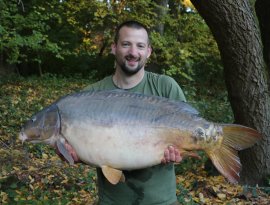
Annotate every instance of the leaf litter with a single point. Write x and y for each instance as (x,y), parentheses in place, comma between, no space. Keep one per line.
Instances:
(34,174)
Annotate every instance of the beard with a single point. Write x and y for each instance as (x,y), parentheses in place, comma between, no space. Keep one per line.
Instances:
(129,71)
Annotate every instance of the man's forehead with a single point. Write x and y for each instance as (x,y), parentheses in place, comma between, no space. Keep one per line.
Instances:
(127,33)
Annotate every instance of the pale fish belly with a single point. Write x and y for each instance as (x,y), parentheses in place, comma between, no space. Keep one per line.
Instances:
(125,147)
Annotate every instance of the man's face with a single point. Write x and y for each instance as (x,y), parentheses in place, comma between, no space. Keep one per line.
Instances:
(132,50)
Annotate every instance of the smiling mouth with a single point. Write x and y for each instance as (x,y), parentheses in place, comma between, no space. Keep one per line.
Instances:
(132,59)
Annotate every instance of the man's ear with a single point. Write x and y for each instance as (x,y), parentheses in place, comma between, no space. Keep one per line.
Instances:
(113,48)
(149,50)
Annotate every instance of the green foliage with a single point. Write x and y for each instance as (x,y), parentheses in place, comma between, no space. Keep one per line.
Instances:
(58,37)
(212,102)
(23,33)
(187,50)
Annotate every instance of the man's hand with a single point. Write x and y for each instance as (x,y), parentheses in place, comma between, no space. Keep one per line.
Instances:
(71,151)
(171,154)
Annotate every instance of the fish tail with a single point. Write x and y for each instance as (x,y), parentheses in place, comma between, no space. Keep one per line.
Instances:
(225,157)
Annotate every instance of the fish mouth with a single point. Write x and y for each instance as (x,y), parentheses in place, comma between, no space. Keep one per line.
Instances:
(23,137)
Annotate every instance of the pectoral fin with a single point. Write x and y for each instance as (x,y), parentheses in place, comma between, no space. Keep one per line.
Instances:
(113,175)
(62,149)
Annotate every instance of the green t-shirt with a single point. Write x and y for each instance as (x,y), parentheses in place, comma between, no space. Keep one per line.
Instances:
(154,185)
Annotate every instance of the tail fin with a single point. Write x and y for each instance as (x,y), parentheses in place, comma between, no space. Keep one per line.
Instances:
(225,158)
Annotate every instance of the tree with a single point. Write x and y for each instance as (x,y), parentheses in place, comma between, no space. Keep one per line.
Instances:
(161,11)
(23,31)
(247,78)
(54,36)
(262,10)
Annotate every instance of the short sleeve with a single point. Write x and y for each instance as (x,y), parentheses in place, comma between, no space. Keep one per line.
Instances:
(171,89)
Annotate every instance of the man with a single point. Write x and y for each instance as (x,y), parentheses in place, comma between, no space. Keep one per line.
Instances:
(155,185)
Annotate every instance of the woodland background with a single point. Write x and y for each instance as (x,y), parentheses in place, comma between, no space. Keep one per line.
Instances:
(49,49)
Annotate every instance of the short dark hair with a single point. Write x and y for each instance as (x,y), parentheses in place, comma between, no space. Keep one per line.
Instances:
(131,24)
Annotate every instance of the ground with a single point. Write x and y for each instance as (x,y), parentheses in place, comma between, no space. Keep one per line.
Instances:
(34,174)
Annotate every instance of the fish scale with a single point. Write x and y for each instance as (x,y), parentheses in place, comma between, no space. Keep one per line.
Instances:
(129,107)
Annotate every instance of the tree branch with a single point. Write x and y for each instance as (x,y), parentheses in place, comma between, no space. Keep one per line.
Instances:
(20,2)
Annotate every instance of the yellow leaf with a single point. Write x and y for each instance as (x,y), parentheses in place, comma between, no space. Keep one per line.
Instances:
(31,179)
(57,191)
(221,196)
(187,3)
(18,192)
(32,168)
(201,197)
(215,189)
(29,197)
(4,197)
(31,187)
(44,156)
(16,168)
(64,181)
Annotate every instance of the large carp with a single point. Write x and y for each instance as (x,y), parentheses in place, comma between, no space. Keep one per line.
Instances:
(118,130)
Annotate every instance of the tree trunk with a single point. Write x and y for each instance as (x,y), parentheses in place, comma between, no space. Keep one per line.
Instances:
(234,28)
(1,63)
(175,8)
(39,69)
(161,11)
(262,10)
(6,68)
